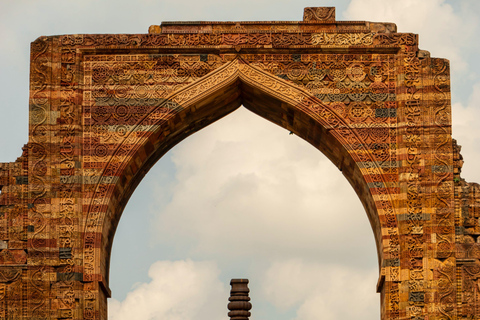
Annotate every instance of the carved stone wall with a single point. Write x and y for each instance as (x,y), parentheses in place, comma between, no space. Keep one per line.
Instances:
(105,108)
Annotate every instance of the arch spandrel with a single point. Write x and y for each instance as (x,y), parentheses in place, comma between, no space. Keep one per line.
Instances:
(104,108)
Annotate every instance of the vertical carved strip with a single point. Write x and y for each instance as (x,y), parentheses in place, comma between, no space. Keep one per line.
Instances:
(442,169)
(90,309)
(69,181)
(443,157)
(392,236)
(39,167)
(411,206)
(414,224)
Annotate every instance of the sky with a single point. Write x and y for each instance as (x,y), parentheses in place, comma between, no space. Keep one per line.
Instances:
(242,198)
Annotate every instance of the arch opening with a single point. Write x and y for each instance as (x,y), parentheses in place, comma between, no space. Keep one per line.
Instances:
(295,232)
(226,96)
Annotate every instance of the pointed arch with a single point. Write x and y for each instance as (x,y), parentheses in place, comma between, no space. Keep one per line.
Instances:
(203,102)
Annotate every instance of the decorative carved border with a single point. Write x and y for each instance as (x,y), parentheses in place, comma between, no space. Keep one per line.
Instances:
(38,285)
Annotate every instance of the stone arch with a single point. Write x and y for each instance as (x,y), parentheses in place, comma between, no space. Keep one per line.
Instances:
(104,108)
(217,94)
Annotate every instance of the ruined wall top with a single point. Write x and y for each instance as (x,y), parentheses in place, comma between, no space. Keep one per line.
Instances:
(314,19)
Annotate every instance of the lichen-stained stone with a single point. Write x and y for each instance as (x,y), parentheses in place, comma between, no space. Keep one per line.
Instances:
(105,108)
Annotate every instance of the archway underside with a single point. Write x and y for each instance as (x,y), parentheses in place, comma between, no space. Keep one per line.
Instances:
(105,108)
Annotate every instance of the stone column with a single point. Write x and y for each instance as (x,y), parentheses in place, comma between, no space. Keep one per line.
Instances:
(239,304)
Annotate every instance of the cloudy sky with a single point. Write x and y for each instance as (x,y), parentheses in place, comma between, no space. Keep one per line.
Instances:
(242,198)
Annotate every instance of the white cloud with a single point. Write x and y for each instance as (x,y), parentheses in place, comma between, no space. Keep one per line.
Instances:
(322,290)
(245,178)
(179,290)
